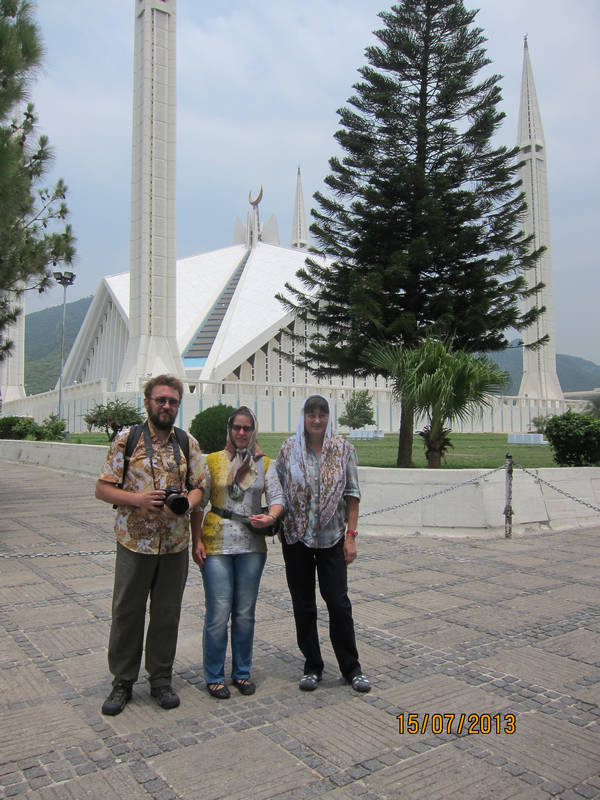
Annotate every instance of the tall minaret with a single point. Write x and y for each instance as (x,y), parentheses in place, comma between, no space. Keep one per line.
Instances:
(540,380)
(13,367)
(299,229)
(152,347)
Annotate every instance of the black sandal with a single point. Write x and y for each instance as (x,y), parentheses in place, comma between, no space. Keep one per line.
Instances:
(218,690)
(245,686)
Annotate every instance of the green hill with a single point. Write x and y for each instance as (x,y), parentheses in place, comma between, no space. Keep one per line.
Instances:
(574,374)
(42,343)
(42,353)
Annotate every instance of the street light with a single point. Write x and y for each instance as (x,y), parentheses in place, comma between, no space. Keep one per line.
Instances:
(65,279)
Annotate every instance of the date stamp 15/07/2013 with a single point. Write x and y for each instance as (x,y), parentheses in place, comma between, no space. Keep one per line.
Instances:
(468,724)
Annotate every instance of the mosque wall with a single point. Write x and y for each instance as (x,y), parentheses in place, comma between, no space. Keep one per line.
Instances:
(277,406)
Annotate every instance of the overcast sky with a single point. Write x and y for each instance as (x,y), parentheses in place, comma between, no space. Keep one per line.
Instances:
(258,86)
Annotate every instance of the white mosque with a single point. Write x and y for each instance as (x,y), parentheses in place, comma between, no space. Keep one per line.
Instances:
(213,319)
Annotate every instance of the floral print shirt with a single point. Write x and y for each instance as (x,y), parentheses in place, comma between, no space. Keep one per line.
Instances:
(141,529)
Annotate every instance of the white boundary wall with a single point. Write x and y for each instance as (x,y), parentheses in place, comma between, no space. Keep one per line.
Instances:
(472,510)
(277,406)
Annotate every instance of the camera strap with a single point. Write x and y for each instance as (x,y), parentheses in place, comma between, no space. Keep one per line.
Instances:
(149,453)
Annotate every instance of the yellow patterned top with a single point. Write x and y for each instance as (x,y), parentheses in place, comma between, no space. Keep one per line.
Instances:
(230,537)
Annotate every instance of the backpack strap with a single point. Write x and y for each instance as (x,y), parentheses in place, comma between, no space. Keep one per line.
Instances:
(132,439)
(184,443)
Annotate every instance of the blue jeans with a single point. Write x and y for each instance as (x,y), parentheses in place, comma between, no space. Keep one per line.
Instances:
(230,588)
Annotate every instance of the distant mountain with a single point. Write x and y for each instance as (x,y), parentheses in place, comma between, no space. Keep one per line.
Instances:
(574,374)
(42,343)
(42,353)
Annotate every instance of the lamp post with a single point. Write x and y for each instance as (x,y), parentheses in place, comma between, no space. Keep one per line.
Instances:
(65,279)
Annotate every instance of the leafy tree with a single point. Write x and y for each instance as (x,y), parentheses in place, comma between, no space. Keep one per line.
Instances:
(420,218)
(359,410)
(31,244)
(446,386)
(112,417)
(209,427)
(575,439)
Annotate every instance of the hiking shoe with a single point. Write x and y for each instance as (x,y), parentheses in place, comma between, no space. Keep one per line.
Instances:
(165,696)
(308,682)
(360,683)
(116,700)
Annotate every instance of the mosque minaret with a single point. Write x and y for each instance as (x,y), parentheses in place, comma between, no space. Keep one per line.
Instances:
(299,228)
(539,365)
(152,346)
(12,369)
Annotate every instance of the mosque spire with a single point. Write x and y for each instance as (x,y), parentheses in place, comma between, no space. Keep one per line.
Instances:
(12,369)
(299,229)
(540,380)
(152,347)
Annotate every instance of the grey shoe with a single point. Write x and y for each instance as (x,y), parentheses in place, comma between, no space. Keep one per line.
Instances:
(116,700)
(360,683)
(308,682)
(165,696)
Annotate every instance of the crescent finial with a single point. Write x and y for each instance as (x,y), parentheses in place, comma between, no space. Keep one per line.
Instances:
(258,199)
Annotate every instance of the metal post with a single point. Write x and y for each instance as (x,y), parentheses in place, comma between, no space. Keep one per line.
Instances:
(508,510)
(65,279)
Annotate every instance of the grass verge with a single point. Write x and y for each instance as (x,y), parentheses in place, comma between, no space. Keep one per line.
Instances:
(471,450)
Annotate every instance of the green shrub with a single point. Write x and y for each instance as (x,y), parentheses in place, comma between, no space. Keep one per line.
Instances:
(209,427)
(575,439)
(52,429)
(19,428)
(539,424)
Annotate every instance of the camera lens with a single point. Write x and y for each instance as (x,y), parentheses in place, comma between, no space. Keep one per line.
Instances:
(178,503)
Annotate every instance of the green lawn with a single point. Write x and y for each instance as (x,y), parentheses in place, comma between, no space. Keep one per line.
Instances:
(471,450)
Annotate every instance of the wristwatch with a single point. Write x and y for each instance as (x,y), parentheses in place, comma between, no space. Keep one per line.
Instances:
(351,533)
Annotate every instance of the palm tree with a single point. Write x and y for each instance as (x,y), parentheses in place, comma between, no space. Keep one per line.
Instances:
(446,386)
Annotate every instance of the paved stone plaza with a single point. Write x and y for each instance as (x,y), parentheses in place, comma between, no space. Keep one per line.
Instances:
(501,634)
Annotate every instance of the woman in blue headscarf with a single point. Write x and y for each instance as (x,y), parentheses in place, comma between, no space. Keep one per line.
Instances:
(319,476)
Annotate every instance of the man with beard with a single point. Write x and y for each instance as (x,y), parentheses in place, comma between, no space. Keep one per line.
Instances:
(152,544)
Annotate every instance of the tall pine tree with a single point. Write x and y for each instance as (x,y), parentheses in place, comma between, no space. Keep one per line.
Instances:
(34,239)
(420,221)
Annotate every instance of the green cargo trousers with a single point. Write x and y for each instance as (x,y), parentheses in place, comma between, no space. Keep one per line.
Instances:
(138,575)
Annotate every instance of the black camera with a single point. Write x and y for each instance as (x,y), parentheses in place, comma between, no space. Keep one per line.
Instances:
(177,502)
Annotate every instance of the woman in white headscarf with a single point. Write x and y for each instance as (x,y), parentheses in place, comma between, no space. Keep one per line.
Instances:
(230,554)
(319,476)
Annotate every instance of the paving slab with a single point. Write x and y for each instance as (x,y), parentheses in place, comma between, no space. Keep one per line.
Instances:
(499,633)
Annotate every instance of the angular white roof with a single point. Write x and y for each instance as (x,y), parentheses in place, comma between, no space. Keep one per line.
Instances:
(254,314)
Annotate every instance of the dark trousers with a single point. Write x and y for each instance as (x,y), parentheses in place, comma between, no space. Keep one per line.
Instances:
(301,563)
(138,575)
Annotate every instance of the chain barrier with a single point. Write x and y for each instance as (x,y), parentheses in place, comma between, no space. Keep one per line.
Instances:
(433,494)
(508,510)
(556,489)
(58,555)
